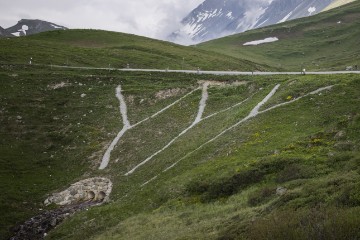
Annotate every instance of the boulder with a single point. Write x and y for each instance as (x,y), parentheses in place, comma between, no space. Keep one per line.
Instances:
(92,189)
(280,191)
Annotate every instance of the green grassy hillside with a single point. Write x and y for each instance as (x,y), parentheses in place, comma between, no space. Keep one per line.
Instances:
(222,157)
(100,48)
(56,126)
(327,41)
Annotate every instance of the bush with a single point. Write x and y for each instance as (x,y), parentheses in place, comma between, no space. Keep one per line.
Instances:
(225,187)
(350,197)
(291,172)
(261,196)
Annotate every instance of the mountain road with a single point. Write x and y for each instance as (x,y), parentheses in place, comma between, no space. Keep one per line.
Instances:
(209,72)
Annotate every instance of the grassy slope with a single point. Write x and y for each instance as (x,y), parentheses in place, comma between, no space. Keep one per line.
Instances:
(101,48)
(337,3)
(294,146)
(51,138)
(214,192)
(314,43)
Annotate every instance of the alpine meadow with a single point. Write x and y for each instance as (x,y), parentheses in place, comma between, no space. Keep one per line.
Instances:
(108,135)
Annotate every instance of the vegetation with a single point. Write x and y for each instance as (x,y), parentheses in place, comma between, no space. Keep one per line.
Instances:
(54,135)
(292,172)
(327,41)
(95,48)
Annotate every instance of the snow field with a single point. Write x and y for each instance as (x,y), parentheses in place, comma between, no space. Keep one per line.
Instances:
(258,42)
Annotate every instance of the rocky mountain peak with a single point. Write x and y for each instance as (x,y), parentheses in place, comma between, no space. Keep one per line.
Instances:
(32,26)
(214,19)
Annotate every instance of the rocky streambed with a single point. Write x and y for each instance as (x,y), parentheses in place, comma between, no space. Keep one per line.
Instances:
(79,196)
(37,227)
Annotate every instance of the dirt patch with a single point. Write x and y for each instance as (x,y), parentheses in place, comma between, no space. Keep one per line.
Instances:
(168,93)
(222,84)
(58,85)
(130,99)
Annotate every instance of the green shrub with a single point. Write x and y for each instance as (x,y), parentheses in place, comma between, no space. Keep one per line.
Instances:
(225,187)
(290,172)
(350,197)
(340,157)
(260,196)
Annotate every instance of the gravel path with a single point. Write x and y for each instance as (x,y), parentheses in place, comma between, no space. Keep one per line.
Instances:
(127,126)
(254,112)
(198,119)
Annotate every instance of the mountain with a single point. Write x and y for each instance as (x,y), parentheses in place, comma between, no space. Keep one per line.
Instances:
(214,19)
(4,33)
(29,27)
(326,41)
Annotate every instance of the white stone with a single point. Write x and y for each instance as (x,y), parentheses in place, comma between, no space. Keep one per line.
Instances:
(281,191)
(97,189)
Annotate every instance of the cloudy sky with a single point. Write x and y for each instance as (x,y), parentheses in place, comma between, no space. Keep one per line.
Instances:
(152,18)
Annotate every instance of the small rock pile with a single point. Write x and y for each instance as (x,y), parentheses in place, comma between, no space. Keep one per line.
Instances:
(77,197)
(92,189)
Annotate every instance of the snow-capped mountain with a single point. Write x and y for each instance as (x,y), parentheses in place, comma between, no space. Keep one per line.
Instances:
(28,27)
(218,18)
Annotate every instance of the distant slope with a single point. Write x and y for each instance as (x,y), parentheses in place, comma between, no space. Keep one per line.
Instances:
(33,26)
(102,48)
(337,3)
(329,40)
(4,33)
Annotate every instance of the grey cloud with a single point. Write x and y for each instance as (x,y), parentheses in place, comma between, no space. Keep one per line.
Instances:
(152,18)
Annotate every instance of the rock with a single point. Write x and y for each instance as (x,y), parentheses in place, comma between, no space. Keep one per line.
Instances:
(38,226)
(340,135)
(93,189)
(280,191)
(73,192)
(79,196)
(47,202)
(53,222)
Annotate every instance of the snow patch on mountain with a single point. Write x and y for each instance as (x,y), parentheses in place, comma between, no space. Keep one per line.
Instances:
(23,29)
(285,18)
(258,42)
(251,18)
(229,15)
(57,27)
(311,10)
